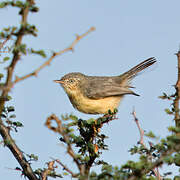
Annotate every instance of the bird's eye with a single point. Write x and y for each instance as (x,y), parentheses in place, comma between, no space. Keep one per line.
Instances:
(71,81)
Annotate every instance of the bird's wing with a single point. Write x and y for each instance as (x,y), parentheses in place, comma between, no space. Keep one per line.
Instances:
(101,88)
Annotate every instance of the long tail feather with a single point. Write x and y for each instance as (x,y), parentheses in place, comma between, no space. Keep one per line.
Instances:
(135,70)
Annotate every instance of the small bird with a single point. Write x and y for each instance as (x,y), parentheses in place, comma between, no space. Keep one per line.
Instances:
(99,94)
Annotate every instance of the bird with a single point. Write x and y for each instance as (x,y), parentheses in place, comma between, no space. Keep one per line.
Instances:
(99,94)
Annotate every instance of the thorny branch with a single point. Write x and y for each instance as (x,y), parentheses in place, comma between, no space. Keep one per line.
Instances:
(141,132)
(70,48)
(16,55)
(60,129)
(176,100)
(4,131)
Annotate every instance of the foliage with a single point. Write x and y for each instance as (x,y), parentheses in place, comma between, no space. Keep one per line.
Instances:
(90,145)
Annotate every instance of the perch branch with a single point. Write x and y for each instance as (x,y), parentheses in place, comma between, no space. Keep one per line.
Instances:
(70,48)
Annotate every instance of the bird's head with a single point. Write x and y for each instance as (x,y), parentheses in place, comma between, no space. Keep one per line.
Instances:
(71,82)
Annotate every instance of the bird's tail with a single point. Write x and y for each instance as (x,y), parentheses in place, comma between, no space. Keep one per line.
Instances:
(140,67)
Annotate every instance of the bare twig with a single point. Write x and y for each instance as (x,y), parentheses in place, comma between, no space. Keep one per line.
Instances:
(60,129)
(66,168)
(141,132)
(70,48)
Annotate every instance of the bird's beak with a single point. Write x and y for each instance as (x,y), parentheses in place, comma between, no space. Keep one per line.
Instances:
(59,81)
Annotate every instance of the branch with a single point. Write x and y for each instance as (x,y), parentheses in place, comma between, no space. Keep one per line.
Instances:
(10,143)
(66,168)
(3,43)
(48,170)
(16,55)
(141,132)
(154,165)
(176,100)
(60,129)
(4,131)
(70,48)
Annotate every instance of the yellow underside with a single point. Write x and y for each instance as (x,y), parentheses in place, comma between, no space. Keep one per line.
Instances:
(94,106)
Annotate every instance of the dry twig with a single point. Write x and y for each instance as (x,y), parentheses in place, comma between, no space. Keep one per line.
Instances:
(141,132)
(66,168)
(70,48)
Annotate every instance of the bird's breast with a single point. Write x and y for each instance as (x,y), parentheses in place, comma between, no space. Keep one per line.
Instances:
(94,106)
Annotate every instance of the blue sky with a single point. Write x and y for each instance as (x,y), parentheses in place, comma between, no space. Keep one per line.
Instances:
(127,32)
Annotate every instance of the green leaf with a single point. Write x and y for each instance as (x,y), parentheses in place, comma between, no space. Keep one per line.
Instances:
(34,157)
(65,173)
(19,4)
(8,98)
(177,178)
(168,111)
(110,112)
(3,115)
(39,52)
(1,75)
(22,48)
(90,146)
(6,58)
(86,159)
(3,4)
(2,34)
(150,134)
(34,9)
(168,159)
(115,111)
(10,109)
(177,159)
(74,118)
(107,168)
(91,120)
(12,116)
(18,124)
(174,129)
